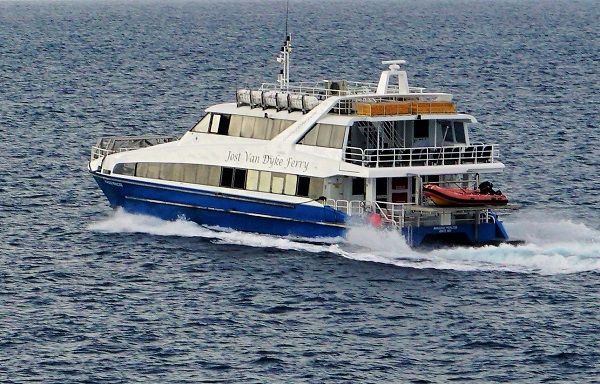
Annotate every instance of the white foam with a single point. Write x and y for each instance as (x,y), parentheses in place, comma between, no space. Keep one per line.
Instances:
(123,222)
(552,246)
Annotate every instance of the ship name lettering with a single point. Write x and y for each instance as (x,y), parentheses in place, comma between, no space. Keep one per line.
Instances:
(231,156)
(297,164)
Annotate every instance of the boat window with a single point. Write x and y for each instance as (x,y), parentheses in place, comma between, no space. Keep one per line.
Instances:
(358,186)
(127,169)
(338,133)
(214,175)
(202,174)
(315,189)
(303,184)
(311,137)
(260,128)
(284,124)
(247,126)
(325,135)
(421,129)
(235,126)
(214,125)
(226,177)
(167,171)
(446,129)
(239,178)
(264,181)
(203,124)
(141,170)
(252,180)
(277,181)
(381,186)
(275,128)
(189,173)
(153,170)
(459,132)
(224,125)
(291,182)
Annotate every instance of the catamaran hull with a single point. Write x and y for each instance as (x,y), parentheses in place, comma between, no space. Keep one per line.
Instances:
(226,211)
(270,217)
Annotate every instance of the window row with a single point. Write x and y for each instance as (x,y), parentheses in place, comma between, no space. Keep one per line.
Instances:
(251,127)
(217,176)
(325,135)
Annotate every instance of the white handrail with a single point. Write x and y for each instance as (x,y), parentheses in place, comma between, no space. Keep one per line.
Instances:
(422,156)
(108,145)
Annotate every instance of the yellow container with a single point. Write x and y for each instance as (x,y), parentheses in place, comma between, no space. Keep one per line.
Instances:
(386,108)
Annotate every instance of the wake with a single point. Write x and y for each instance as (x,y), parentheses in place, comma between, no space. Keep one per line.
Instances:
(552,246)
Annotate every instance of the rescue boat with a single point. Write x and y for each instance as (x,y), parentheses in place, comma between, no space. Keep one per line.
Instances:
(461,197)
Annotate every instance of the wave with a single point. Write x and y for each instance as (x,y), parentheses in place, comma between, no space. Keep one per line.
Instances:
(553,245)
(123,222)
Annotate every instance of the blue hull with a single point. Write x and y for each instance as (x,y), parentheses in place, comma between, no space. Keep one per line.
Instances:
(463,234)
(267,216)
(227,211)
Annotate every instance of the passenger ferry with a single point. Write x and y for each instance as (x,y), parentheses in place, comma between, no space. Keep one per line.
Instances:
(311,160)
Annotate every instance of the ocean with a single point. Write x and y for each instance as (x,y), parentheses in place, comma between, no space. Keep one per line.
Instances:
(88,294)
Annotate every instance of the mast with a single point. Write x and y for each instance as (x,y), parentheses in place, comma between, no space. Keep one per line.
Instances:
(284,55)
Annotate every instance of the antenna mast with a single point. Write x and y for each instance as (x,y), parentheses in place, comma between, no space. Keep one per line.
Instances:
(284,55)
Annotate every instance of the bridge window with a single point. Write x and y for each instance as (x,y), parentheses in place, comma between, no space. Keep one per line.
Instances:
(459,132)
(325,135)
(251,127)
(421,129)
(127,169)
(203,124)
(453,132)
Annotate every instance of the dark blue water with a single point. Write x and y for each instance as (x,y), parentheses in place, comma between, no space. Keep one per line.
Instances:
(88,295)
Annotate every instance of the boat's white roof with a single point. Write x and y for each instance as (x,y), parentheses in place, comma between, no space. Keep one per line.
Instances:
(329,118)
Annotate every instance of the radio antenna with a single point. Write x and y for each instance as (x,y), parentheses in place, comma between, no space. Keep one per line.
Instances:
(287,12)
(284,55)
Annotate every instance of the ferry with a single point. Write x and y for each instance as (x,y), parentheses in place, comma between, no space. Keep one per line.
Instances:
(311,160)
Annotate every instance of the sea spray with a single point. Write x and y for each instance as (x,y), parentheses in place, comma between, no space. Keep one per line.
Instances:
(552,247)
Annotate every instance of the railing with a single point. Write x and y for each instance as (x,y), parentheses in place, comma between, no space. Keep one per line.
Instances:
(306,96)
(390,213)
(323,88)
(401,215)
(349,207)
(414,104)
(108,145)
(422,156)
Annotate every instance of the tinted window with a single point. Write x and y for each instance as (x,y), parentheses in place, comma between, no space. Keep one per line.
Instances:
(459,132)
(239,178)
(224,125)
(421,129)
(127,169)
(227,177)
(303,184)
(358,186)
